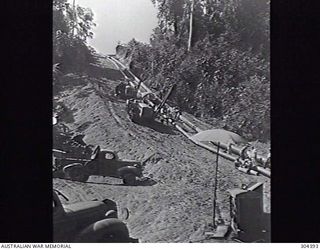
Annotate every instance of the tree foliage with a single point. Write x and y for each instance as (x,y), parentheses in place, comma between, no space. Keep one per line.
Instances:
(71,29)
(226,74)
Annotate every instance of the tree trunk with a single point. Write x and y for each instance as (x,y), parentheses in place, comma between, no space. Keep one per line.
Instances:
(190,26)
(73,17)
(175,26)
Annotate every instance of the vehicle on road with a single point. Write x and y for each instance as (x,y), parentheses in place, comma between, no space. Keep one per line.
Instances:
(102,163)
(125,91)
(88,222)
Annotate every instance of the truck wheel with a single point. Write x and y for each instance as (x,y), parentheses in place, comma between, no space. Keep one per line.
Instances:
(131,115)
(109,156)
(117,236)
(129,179)
(76,174)
(109,230)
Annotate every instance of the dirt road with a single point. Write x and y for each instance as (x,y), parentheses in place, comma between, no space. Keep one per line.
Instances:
(176,205)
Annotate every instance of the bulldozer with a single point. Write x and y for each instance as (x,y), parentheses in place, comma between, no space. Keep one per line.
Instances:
(143,110)
(125,91)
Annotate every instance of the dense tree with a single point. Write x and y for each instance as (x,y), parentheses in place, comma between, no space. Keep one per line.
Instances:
(225,76)
(71,29)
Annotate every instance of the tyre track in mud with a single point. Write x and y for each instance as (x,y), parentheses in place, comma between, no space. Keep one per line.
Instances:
(104,93)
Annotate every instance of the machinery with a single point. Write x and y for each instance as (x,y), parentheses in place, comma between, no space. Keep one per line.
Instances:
(249,222)
(88,222)
(139,111)
(147,111)
(102,163)
(125,91)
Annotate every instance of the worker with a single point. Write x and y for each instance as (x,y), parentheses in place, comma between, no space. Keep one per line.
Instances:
(247,164)
(267,163)
(243,153)
(176,113)
(120,89)
(252,153)
(238,162)
(229,151)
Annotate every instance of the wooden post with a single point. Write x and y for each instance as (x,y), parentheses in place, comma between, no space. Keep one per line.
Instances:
(215,188)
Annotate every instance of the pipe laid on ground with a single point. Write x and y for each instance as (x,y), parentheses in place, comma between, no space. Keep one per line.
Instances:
(244,170)
(190,124)
(253,172)
(237,150)
(201,144)
(137,80)
(258,169)
(232,149)
(263,171)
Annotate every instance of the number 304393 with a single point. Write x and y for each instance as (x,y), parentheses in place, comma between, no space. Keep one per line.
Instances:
(311,246)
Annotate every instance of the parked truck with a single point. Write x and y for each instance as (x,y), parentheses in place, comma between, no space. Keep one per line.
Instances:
(88,222)
(102,163)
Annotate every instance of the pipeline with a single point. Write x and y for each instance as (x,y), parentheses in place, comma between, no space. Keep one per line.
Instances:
(263,171)
(201,144)
(229,147)
(166,97)
(238,151)
(256,171)
(188,123)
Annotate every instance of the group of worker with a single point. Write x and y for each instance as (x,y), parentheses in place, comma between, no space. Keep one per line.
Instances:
(248,160)
(169,115)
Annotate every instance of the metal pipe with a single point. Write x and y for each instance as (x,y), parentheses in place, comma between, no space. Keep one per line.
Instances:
(237,150)
(263,171)
(166,97)
(233,149)
(188,123)
(244,170)
(222,145)
(253,172)
(201,144)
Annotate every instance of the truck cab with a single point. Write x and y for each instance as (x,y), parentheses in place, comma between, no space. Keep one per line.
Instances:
(107,163)
(90,221)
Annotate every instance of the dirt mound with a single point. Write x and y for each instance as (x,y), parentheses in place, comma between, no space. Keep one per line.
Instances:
(176,205)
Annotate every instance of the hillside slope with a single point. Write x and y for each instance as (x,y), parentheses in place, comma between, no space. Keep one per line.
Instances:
(176,204)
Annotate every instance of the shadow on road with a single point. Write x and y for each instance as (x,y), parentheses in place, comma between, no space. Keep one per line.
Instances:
(145,181)
(98,72)
(159,127)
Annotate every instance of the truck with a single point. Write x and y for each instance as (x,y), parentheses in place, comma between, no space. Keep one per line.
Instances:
(102,163)
(88,222)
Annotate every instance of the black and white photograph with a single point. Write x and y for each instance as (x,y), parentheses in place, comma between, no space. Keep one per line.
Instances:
(161,121)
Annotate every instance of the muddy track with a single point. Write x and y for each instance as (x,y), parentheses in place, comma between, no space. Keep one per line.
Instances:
(177,205)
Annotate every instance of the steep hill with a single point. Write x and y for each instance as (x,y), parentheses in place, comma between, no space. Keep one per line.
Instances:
(175,205)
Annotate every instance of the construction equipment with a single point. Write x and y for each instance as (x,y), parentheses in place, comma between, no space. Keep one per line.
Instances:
(249,222)
(125,91)
(147,111)
(88,221)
